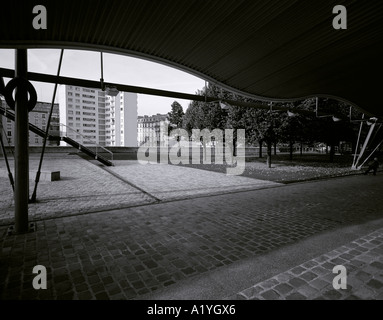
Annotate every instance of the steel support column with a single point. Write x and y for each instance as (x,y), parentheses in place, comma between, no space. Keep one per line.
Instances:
(21,195)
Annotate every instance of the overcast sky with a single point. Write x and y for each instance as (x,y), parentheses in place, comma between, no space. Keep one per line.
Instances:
(117,69)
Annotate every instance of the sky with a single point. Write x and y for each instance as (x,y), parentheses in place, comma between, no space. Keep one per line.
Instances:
(117,69)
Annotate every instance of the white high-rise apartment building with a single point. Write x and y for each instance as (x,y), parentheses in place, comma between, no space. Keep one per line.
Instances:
(90,116)
(121,119)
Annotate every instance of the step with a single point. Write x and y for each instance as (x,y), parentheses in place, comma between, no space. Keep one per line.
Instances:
(45,175)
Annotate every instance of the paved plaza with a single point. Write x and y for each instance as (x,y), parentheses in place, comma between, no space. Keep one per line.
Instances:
(362,258)
(166,232)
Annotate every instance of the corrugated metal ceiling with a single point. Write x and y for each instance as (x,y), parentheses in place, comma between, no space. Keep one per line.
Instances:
(271,49)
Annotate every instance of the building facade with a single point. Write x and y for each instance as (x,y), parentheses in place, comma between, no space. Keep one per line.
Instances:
(89,116)
(38,117)
(121,119)
(149,129)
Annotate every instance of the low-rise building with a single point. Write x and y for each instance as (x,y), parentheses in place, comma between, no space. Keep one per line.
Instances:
(149,129)
(38,117)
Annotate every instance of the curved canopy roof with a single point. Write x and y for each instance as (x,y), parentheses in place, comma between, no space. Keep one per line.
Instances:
(263,49)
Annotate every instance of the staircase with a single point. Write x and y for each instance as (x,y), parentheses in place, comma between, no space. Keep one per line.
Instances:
(85,149)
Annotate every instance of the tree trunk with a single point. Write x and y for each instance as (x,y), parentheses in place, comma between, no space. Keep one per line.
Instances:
(301,148)
(332,153)
(268,161)
(291,150)
(275,149)
(260,148)
(234,147)
(204,150)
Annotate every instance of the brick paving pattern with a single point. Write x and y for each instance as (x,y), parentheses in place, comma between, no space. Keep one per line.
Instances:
(83,187)
(167,182)
(151,245)
(312,280)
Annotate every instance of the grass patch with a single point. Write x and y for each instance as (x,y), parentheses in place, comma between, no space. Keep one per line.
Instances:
(302,168)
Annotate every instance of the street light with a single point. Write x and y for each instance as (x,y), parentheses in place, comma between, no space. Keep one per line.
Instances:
(335,119)
(291,114)
(111,91)
(223,106)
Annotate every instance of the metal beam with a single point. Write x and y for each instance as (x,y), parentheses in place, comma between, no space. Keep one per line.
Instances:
(364,146)
(21,195)
(39,77)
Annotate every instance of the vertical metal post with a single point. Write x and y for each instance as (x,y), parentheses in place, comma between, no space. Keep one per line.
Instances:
(21,145)
(357,143)
(365,146)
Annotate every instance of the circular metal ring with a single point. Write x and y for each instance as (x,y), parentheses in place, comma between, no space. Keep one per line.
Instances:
(2,86)
(17,82)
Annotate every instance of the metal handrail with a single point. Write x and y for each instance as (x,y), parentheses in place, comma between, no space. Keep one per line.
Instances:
(84,140)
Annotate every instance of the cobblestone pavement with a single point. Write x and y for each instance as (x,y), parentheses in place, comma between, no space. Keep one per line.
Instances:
(132,252)
(312,280)
(167,182)
(83,187)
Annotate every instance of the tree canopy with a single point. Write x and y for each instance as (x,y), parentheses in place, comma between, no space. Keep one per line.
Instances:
(308,121)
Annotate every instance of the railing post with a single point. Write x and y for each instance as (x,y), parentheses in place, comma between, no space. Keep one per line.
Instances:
(21,195)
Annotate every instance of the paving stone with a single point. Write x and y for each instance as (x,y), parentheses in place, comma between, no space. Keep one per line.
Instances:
(375,284)
(333,254)
(239,296)
(284,277)
(283,289)
(319,283)
(307,291)
(309,264)
(377,265)
(102,296)
(308,276)
(188,271)
(270,295)
(321,259)
(346,256)
(332,295)
(252,292)
(364,293)
(212,232)
(298,270)
(269,283)
(352,297)
(363,276)
(320,271)
(297,282)
(81,287)
(296,296)
(366,258)
(86,295)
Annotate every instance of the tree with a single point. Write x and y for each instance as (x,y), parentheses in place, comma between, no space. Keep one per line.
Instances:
(266,126)
(333,130)
(206,115)
(176,115)
(296,126)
